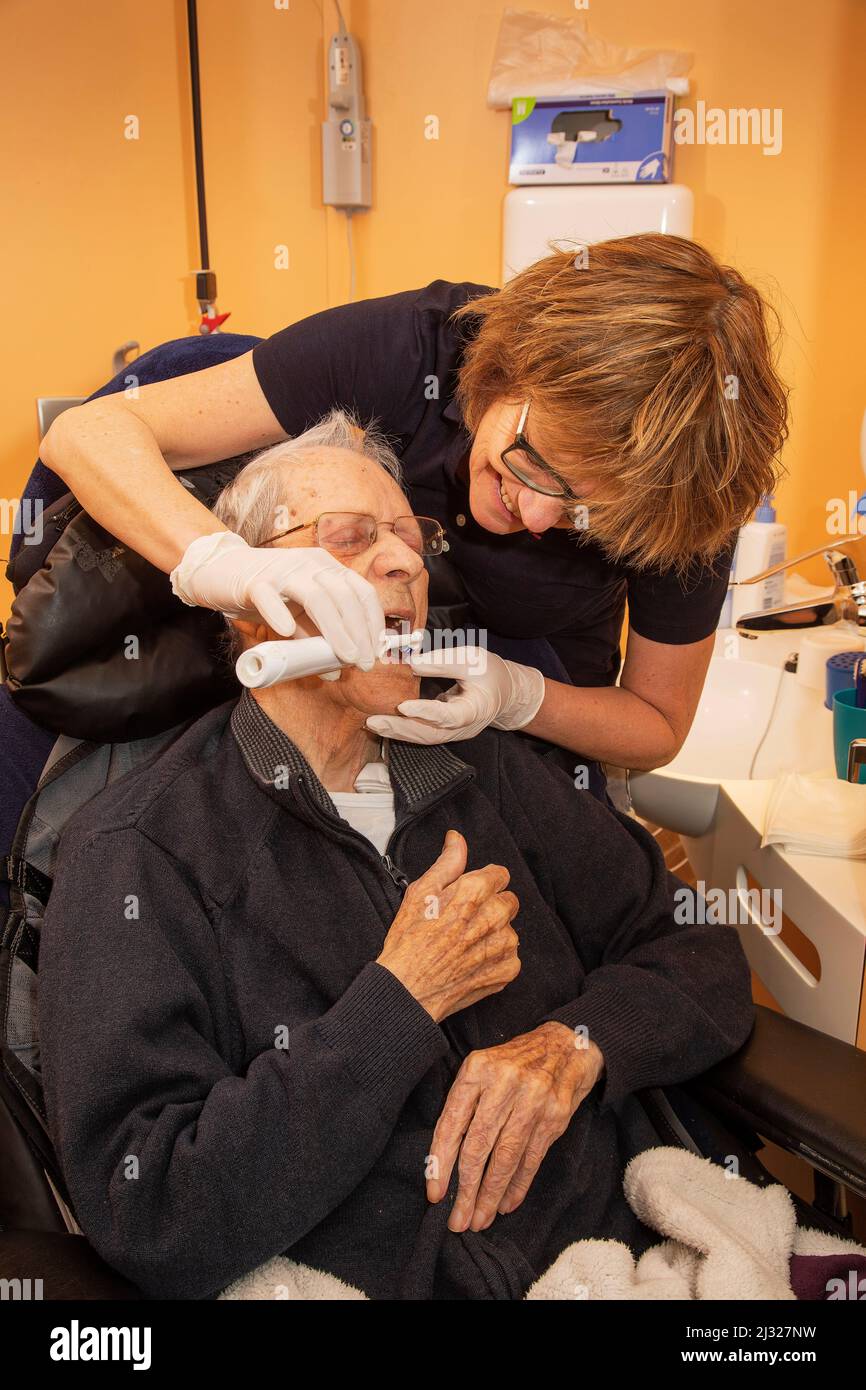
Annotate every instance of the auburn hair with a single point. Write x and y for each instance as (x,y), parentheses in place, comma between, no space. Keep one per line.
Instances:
(651,372)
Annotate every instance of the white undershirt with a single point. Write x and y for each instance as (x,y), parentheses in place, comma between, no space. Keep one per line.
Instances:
(369,809)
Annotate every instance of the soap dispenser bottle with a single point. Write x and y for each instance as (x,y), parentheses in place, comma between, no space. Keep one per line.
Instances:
(762,543)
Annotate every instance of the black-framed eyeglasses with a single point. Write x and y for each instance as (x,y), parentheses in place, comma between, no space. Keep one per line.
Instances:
(346,534)
(531,469)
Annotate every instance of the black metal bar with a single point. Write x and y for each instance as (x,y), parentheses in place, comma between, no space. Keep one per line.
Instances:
(830,1199)
(192,25)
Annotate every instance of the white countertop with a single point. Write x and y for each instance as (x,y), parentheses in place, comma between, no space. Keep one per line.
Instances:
(840,882)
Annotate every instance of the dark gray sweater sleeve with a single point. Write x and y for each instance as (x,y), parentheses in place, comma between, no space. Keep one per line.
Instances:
(183,1174)
(664,997)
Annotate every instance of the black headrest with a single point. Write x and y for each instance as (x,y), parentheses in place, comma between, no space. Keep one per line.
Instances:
(98,645)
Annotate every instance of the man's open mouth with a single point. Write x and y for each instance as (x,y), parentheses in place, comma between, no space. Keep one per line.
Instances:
(399,639)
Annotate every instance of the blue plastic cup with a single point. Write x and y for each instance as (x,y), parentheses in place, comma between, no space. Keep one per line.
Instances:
(848,722)
(840,673)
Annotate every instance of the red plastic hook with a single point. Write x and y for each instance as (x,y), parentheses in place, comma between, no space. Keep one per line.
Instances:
(210,322)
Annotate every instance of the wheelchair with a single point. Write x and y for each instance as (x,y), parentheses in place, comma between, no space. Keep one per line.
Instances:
(788,1085)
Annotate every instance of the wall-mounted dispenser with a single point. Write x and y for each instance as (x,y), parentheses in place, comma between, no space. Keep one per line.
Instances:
(346,181)
(582,214)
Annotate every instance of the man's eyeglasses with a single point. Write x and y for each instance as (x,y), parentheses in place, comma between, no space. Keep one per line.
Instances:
(346,534)
(530,468)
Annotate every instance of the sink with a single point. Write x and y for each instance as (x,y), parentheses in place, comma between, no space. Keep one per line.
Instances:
(754,720)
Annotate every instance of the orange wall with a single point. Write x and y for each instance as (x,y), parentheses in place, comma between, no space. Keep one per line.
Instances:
(99,235)
(101,239)
(795,223)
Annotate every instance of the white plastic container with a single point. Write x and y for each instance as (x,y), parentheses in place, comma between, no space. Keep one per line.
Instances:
(580,216)
(762,543)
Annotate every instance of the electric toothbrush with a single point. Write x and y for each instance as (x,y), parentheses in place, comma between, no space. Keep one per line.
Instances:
(269,663)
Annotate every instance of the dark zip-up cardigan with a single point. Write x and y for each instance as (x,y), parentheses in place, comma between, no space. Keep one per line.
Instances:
(229,1075)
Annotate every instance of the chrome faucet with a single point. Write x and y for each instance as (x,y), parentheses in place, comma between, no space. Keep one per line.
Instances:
(847,601)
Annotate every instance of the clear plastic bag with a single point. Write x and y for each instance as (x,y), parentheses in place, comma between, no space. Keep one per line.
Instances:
(543,56)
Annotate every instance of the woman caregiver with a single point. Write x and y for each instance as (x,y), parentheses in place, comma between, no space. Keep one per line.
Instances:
(594,432)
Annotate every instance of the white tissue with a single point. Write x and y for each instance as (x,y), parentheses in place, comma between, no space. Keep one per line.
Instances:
(545,56)
(816,815)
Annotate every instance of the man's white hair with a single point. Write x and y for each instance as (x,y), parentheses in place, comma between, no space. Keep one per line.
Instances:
(252,500)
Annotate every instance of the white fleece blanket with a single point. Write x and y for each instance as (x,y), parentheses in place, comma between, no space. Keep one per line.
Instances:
(725,1238)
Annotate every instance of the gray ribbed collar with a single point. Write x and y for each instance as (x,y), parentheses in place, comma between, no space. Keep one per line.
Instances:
(418,772)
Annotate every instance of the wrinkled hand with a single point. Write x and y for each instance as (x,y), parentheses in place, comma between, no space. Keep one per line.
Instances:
(506,1107)
(221,571)
(452,942)
(488,691)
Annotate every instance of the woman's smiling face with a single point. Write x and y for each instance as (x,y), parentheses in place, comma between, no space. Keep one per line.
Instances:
(498,500)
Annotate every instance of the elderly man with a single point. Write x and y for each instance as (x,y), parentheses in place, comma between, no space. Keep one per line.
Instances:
(379,1006)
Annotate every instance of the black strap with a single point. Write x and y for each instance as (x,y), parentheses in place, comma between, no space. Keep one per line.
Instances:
(25,877)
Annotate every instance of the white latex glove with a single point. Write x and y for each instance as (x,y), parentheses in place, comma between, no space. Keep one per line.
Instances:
(222,572)
(488,691)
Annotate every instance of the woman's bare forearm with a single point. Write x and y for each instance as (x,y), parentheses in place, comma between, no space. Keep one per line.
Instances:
(607,723)
(116,453)
(112,463)
(641,723)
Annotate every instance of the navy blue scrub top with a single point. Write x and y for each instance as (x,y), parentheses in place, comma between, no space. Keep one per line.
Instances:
(395,361)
